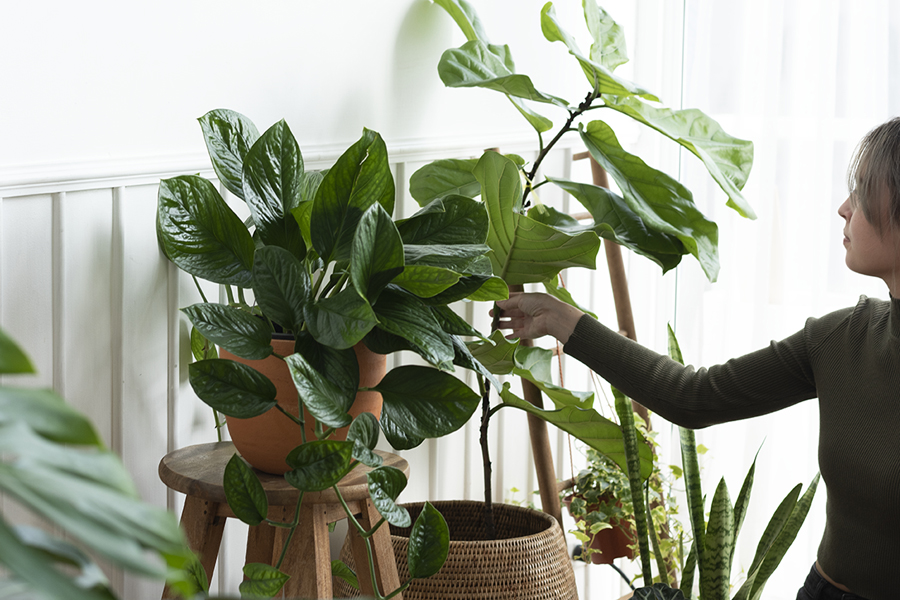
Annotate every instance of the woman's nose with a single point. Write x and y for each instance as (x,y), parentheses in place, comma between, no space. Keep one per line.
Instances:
(844,208)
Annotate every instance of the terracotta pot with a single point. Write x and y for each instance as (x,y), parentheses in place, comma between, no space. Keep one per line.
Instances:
(527,561)
(266,440)
(612,543)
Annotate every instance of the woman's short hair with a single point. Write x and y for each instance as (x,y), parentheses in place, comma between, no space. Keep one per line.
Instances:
(875,173)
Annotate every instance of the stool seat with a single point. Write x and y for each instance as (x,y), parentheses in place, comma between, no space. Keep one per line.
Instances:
(197,471)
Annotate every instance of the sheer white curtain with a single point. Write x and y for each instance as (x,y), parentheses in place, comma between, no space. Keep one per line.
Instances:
(803,79)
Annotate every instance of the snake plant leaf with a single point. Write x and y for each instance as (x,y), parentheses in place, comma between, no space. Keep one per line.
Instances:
(48,415)
(525,250)
(615,220)
(385,484)
(690,569)
(281,286)
(32,566)
(232,388)
(377,253)
(421,402)
(199,232)
(728,159)
(360,177)
(466,18)
(12,358)
(406,316)
(239,332)
(598,74)
(318,465)
(662,203)
(342,320)
(719,540)
(658,591)
(742,502)
(363,432)
(229,135)
(273,187)
(599,433)
(244,492)
(452,219)
(261,581)
(325,400)
(426,281)
(429,543)
(475,64)
(442,178)
(608,47)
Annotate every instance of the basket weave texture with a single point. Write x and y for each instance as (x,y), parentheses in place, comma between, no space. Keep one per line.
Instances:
(528,561)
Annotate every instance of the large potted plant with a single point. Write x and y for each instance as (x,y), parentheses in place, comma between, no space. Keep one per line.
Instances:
(321,260)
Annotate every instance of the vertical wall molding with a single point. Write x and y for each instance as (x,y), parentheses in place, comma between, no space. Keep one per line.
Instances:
(58,277)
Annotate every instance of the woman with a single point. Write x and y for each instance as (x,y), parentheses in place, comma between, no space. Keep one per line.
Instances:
(849,360)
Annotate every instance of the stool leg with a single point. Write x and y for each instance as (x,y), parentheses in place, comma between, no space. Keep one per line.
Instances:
(382,553)
(203,528)
(261,544)
(308,558)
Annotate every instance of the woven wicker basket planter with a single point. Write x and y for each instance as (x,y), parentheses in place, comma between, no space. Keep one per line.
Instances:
(529,561)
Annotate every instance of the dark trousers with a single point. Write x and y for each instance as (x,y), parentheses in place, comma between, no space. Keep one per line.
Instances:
(817,588)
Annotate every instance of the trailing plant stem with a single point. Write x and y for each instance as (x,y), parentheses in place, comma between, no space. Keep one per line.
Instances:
(287,542)
(365,535)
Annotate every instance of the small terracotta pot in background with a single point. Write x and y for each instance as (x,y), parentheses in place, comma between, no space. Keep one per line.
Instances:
(613,543)
(266,440)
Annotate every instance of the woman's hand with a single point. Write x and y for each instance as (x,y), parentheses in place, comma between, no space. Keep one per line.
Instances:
(530,316)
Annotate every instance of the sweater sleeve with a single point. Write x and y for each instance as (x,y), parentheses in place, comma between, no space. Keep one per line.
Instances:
(754,384)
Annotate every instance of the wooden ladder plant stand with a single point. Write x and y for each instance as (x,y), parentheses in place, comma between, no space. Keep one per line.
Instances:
(197,472)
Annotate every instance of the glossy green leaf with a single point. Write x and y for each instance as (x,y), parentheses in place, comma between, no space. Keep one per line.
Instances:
(727,158)
(555,289)
(48,415)
(273,182)
(504,357)
(662,203)
(262,580)
(406,316)
(342,320)
(719,540)
(359,178)
(475,64)
(588,426)
(535,119)
(429,543)
(448,220)
(12,358)
(608,47)
(244,492)
(318,465)
(457,257)
(385,485)
(202,348)
(364,432)
(426,281)
(442,178)
(524,250)
(34,567)
(377,253)
(232,388)
(452,323)
(615,220)
(480,288)
(326,401)
(340,569)
(465,16)
(282,287)
(598,74)
(201,234)
(422,402)
(239,332)
(229,136)
(463,358)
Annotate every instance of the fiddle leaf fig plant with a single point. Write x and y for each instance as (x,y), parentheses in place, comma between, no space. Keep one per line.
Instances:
(321,258)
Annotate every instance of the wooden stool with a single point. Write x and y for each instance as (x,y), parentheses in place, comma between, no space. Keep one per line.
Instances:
(197,471)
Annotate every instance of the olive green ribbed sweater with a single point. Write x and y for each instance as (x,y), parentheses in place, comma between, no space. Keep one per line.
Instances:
(850,360)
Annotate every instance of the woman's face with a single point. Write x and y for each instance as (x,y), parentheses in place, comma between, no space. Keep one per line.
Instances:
(868,251)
